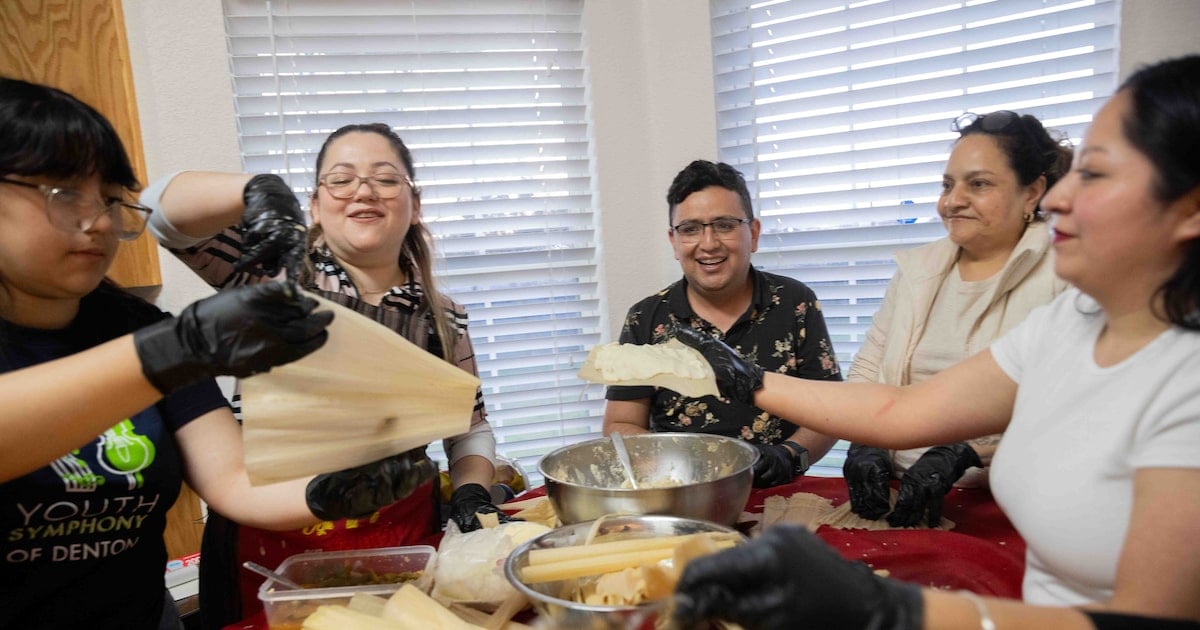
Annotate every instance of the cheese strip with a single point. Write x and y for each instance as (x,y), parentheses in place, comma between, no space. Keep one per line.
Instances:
(480,618)
(414,609)
(367,603)
(593,565)
(512,605)
(524,504)
(559,554)
(597,564)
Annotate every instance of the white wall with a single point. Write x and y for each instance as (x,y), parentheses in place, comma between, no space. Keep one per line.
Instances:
(1157,29)
(185,105)
(652,109)
(653,112)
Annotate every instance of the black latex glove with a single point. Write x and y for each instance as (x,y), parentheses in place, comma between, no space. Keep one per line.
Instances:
(868,471)
(238,332)
(737,379)
(788,578)
(358,492)
(469,499)
(774,466)
(273,231)
(926,483)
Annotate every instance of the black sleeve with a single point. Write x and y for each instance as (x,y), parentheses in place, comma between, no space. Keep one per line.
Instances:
(114,312)
(110,311)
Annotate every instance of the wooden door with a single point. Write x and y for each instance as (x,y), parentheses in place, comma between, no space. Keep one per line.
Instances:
(80,46)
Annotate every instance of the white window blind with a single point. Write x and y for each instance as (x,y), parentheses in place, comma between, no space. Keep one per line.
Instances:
(489,96)
(838,113)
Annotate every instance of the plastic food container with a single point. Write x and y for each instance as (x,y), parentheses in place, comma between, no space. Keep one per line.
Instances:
(339,575)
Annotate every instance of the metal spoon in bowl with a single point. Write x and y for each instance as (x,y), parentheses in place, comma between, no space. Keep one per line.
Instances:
(623,456)
(265,572)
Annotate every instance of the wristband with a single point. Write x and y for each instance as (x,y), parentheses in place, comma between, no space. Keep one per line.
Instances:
(800,461)
(985,619)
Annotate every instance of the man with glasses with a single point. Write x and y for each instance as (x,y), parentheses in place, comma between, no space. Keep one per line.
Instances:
(771,320)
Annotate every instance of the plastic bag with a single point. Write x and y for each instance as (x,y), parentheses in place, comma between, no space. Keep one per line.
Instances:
(470,567)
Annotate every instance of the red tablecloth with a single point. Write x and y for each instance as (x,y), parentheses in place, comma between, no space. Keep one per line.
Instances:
(983,553)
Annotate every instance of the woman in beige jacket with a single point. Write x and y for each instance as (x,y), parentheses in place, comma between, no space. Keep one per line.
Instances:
(951,298)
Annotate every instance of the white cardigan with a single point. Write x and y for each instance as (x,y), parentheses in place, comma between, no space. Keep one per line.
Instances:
(1026,281)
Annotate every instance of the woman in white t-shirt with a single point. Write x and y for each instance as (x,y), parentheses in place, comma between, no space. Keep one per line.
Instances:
(1097,395)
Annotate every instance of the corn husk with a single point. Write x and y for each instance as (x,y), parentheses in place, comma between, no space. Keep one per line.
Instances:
(657,365)
(812,511)
(366,394)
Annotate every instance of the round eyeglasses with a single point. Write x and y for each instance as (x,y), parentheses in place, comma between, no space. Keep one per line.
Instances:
(382,185)
(725,229)
(72,211)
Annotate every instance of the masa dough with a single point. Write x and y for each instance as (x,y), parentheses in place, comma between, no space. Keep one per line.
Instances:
(671,365)
(627,362)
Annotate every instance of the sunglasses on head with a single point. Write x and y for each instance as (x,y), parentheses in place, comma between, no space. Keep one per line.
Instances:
(994,122)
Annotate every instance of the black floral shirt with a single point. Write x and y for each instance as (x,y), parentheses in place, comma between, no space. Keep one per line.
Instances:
(783,331)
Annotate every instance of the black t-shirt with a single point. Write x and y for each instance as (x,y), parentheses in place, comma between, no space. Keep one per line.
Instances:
(82,538)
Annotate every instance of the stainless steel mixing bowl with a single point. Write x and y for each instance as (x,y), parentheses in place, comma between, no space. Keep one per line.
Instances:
(551,599)
(696,475)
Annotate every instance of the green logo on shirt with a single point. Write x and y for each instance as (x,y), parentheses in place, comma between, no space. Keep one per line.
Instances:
(124,452)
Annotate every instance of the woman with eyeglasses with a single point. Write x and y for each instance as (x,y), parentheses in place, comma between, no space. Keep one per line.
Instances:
(109,403)
(953,297)
(367,249)
(1096,393)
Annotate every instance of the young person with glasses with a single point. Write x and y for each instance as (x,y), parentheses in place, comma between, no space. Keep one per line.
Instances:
(367,249)
(953,297)
(773,321)
(109,403)
(1096,393)
(72,210)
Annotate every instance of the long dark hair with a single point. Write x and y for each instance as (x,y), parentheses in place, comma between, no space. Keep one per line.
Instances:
(47,132)
(1163,123)
(416,254)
